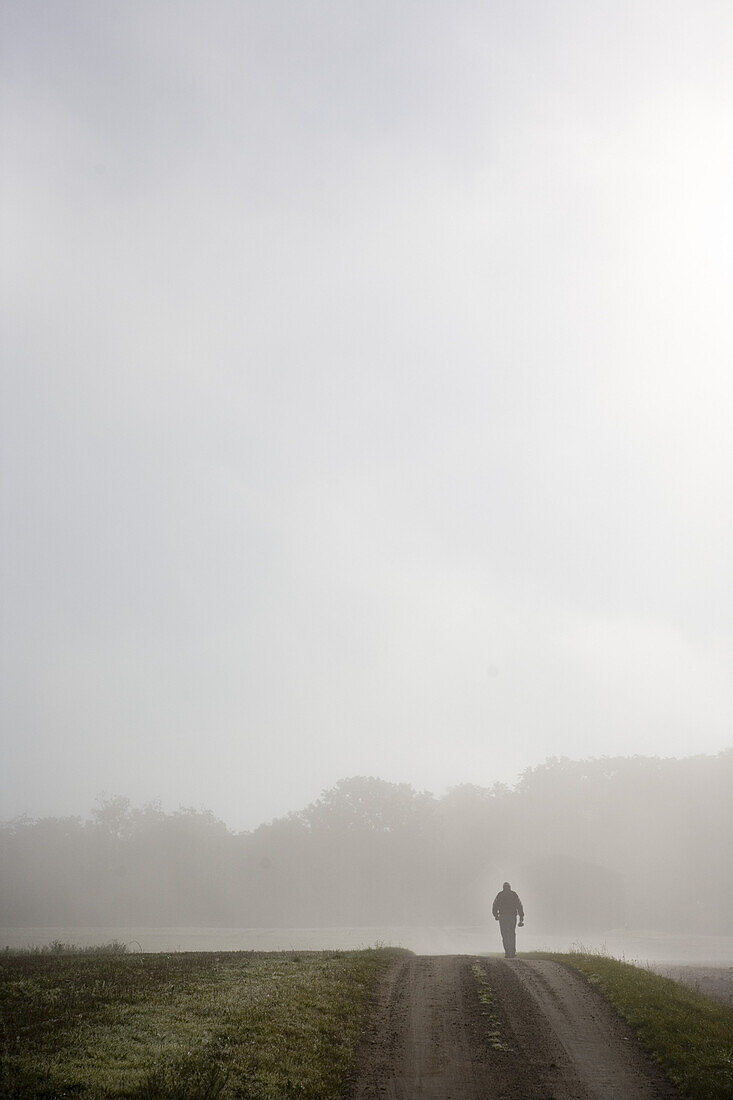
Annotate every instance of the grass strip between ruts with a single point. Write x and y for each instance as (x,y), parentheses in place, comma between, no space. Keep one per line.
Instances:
(214,1026)
(689,1035)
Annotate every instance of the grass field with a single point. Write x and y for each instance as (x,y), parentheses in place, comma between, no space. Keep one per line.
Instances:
(189,1026)
(689,1035)
(270,1026)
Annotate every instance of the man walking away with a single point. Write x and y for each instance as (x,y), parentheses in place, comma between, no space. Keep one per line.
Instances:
(506,908)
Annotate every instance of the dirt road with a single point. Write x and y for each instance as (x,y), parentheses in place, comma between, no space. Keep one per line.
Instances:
(457,1027)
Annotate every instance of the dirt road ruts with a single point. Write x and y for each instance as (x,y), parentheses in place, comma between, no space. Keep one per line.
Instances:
(544,1035)
(602,1050)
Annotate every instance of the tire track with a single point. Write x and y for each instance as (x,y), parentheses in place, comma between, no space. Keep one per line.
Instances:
(429,1037)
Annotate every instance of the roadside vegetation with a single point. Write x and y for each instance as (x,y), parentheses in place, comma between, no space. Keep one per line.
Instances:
(688,1034)
(58,947)
(256,1026)
(488,1004)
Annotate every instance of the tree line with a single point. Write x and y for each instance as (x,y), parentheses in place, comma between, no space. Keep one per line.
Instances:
(639,842)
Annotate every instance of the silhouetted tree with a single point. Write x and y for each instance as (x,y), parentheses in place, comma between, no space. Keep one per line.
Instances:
(596,843)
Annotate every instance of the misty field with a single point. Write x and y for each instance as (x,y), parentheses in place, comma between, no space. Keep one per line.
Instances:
(240,1024)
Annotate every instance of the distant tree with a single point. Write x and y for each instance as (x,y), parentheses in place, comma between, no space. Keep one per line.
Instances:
(366,804)
(114,816)
(590,843)
(372,851)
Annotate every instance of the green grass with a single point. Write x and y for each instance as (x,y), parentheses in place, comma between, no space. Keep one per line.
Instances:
(190,1026)
(488,1003)
(688,1034)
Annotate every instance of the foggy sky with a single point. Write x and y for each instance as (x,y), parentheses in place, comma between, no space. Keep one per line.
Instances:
(366,393)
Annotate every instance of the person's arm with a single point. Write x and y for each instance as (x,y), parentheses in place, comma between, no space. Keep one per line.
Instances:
(520,910)
(495,908)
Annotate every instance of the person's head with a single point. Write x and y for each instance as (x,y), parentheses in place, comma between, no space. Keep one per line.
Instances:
(506,886)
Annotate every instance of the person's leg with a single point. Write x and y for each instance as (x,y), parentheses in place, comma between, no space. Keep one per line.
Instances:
(508,938)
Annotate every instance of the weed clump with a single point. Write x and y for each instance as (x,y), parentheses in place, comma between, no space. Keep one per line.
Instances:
(57,947)
(486,997)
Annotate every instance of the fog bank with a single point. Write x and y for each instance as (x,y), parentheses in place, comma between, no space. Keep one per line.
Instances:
(600,848)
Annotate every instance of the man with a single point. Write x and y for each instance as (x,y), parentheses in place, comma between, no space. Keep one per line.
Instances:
(506,908)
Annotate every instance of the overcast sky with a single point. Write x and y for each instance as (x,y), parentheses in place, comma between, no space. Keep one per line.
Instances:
(367,386)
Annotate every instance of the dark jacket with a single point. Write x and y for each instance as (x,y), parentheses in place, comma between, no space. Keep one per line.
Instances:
(507,905)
